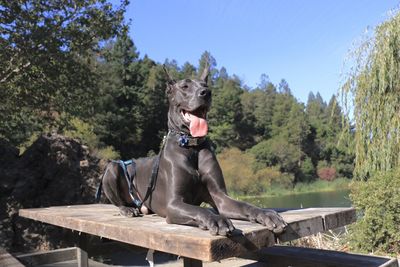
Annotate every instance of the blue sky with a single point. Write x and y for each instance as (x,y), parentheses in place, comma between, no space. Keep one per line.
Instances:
(305,42)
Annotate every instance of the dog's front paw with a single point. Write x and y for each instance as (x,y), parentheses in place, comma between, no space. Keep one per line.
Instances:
(128,211)
(217,225)
(270,218)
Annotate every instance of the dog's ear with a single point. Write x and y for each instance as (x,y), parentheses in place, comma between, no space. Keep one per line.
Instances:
(170,80)
(204,75)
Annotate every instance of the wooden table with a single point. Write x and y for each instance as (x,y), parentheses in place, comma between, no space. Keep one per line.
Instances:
(194,244)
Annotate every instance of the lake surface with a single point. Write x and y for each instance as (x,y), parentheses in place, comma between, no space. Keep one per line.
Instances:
(319,199)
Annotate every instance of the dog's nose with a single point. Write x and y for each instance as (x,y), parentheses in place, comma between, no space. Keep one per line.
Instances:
(205,93)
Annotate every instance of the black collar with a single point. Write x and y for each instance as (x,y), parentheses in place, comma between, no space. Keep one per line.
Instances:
(186,140)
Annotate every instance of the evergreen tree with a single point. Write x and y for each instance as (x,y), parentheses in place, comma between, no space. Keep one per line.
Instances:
(284,88)
(118,120)
(317,117)
(207,60)
(154,109)
(188,71)
(282,105)
(226,114)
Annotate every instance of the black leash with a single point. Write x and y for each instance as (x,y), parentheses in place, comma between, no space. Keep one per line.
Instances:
(153,177)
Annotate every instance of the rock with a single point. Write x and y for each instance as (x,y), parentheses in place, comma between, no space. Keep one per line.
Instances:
(9,155)
(54,170)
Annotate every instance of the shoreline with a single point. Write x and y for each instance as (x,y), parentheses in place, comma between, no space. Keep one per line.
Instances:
(302,188)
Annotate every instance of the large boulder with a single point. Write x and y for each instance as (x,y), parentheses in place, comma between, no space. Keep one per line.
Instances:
(8,157)
(55,170)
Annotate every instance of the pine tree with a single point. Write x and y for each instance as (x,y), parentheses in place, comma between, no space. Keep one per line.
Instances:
(226,114)
(118,110)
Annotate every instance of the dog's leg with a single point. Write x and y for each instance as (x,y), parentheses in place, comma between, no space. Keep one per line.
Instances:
(116,190)
(228,207)
(182,213)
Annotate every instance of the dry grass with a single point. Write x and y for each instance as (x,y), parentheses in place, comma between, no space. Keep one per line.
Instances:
(330,240)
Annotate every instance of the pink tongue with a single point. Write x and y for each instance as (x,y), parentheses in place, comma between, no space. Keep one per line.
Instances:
(198,126)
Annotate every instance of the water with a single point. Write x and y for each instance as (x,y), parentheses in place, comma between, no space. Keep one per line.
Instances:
(338,198)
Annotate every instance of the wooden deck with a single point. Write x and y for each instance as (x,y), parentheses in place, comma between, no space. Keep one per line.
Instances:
(154,233)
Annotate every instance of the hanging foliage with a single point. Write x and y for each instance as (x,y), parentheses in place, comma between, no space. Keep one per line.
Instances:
(373,86)
(374,89)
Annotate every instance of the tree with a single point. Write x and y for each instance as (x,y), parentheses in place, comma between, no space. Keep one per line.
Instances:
(207,60)
(318,118)
(284,88)
(373,86)
(264,106)
(226,115)
(154,109)
(118,104)
(188,71)
(46,52)
(282,105)
(316,110)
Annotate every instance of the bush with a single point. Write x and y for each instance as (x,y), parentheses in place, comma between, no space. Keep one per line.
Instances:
(378,202)
(271,177)
(241,178)
(236,167)
(84,131)
(277,152)
(327,173)
(107,152)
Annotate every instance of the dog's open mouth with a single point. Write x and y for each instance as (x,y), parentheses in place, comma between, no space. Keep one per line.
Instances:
(197,120)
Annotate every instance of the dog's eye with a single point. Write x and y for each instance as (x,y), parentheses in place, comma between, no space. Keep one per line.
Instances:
(185,86)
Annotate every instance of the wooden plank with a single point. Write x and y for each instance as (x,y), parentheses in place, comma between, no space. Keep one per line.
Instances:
(332,217)
(298,257)
(333,220)
(47,257)
(300,224)
(7,260)
(154,233)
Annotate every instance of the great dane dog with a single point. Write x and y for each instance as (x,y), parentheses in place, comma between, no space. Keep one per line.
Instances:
(185,174)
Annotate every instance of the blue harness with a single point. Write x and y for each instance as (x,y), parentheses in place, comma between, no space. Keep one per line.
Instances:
(129,179)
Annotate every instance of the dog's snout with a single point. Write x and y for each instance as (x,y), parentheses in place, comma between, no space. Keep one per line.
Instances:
(205,93)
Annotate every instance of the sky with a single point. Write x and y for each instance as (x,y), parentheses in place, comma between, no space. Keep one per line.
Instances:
(304,42)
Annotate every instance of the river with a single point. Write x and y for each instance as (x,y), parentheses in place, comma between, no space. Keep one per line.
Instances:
(338,198)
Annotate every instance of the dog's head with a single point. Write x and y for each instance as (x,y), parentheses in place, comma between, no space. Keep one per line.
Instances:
(189,102)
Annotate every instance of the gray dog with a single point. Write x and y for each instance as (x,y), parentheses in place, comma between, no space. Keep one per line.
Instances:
(185,174)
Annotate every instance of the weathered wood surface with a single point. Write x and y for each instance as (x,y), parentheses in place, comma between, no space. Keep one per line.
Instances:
(154,233)
(305,222)
(7,260)
(283,256)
